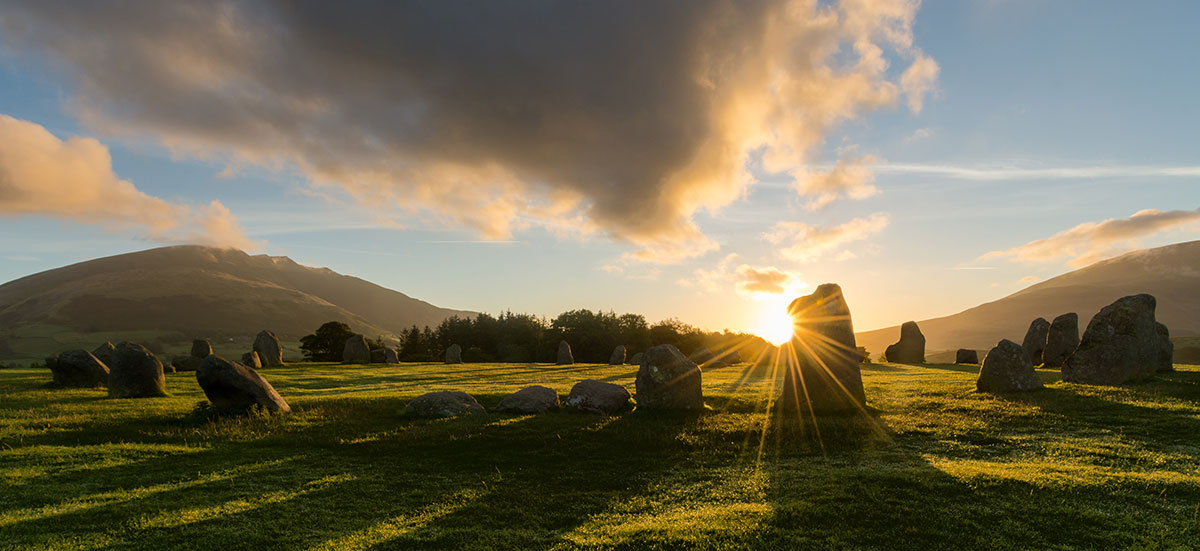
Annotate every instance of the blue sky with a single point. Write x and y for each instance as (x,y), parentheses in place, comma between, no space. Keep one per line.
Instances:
(1025,90)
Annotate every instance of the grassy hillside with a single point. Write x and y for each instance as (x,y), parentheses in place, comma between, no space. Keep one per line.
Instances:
(935,466)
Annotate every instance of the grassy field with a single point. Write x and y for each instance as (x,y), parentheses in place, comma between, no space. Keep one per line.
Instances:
(934,466)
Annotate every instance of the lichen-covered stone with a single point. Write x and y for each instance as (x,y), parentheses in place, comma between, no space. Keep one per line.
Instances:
(531,399)
(356,351)
(1120,344)
(232,386)
(1007,368)
(79,369)
(667,379)
(135,373)
(447,403)
(592,396)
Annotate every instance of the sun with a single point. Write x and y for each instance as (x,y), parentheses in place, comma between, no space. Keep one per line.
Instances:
(774,325)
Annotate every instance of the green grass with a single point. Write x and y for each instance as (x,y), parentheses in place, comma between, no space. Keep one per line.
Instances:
(934,466)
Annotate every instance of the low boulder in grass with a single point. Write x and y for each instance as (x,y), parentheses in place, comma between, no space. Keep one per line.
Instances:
(592,396)
(135,373)
(1007,368)
(966,356)
(531,399)
(234,387)
(201,348)
(447,403)
(250,359)
(668,380)
(187,363)
(79,369)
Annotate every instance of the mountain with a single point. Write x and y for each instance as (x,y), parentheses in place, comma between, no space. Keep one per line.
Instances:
(208,292)
(1170,273)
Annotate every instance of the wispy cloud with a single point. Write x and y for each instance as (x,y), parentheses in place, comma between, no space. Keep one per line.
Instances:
(1009,172)
(747,280)
(806,243)
(1093,241)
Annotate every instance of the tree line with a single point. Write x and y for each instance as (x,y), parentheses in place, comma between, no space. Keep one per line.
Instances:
(524,338)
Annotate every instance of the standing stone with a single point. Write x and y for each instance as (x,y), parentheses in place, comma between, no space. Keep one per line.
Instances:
(104,352)
(668,380)
(201,348)
(1007,368)
(232,386)
(564,354)
(1166,350)
(825,376)
(135,373)
(270,353)
(1061,340)
(447,403)
(454,354)
(250,359)
(733,357)
(1120,344)
(637,358)
(390,356)
(966,356)
(618,355)
(356,350)
(592,396)
(911,347)
(531,399)
(701,356)
(79,369)
(1035,340)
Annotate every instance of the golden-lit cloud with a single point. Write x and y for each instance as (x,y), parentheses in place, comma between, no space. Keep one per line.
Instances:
(805,243)
(41,175)
(622,118)
(851,177)
(747,280)
(1094,241)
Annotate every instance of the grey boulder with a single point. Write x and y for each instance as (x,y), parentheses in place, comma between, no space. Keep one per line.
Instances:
(250,359)
(201,348)
(104,352)
(356,350)
(1120,344)
(270,352)
(910,349)
(531,399)
(1166,350)
(454,354)
(667,379)
(1035,340)
(1007,368)
(135,373)
(1061,340)
(564,354)
(186,363)
(447,403)
(592,396)
(966,356)
(235,387)
(79,369)
(618,356)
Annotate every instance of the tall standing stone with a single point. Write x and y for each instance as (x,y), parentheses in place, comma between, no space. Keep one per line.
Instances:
(825,376)
(201,348)
(232,386)
(1035,340)
(250,359)
(135,373)
(564,354)
(390,356)
(79,369)
(1120,344)
(1007,368)
(618,355)
(454,354)
(356,350)
(1166,350)
(1061,340)
(910,349)
(270,352)
(668,380)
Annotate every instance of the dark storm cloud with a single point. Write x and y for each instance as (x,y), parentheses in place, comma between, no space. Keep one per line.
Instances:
(619,116)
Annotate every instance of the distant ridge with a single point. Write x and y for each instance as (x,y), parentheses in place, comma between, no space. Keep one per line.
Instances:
(1170,273)
(209,292)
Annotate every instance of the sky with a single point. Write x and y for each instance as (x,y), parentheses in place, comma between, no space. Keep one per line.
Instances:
(707,160)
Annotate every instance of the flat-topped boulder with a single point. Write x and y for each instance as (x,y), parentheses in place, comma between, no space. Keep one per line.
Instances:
(135,373)
(446,403)
(454,354)
(201,348)
(234,387)
(966,356)
(618,355)
(270,352)
(564,354)
(531,399)
(1007,368)
(1061,340)
(104,352)
(79,369)
(592,396)
(1035,340)
(1120,344)
(825,376)
(250,359)
(186,363)
(356,350)
(910,349)
(1166,350)
(667,379)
